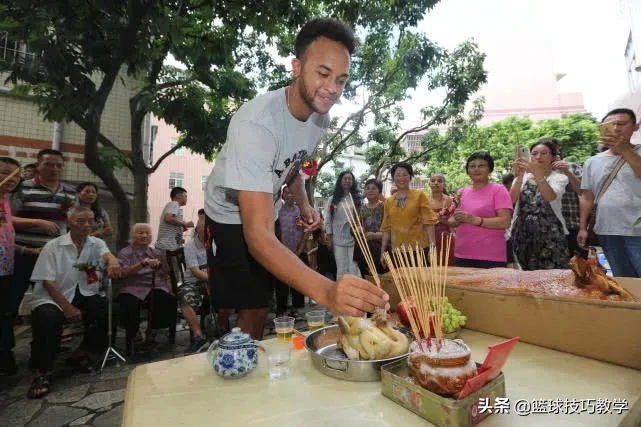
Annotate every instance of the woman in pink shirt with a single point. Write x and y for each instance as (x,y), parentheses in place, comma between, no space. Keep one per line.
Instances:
(485,212)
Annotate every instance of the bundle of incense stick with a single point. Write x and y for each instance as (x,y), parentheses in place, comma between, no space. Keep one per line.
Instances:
(359,235)
(422,288)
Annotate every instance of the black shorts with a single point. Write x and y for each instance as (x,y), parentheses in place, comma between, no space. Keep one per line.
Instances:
(236,279)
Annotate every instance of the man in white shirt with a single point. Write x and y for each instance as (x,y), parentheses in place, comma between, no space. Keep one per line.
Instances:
(619,209)
(67,281)
(267,140)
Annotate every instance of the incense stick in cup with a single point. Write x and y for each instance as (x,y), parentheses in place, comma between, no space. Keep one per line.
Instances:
(422,285)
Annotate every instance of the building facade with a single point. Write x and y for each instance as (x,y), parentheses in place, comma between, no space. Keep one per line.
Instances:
(181,169)
(23,132)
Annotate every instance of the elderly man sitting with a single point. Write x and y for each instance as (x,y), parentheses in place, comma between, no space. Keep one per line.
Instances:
(67,280)
(144,280)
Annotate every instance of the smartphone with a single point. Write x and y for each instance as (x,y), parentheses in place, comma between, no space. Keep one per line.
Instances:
(607,129)
(523,153)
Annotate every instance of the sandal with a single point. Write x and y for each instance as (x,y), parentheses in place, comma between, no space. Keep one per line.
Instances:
(83,364)
(39,387)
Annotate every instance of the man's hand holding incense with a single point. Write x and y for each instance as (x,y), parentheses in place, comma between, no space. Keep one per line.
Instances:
(353,296)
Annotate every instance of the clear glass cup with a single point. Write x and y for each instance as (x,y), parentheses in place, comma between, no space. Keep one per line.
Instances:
(315,320)
(284,328)
(278,357)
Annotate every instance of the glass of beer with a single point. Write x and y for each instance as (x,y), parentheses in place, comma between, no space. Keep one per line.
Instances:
(284,328)
(315,320)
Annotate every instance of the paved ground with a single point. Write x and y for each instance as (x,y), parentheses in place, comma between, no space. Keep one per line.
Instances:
(81,399)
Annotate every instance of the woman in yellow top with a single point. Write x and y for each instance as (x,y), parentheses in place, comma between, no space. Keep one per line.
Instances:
(408,220)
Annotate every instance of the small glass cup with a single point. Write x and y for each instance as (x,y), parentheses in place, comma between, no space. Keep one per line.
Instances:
(315,320)
(278,357)
(284,328)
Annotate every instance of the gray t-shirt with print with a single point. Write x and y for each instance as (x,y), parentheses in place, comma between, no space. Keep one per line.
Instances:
(264,150)
(620,205)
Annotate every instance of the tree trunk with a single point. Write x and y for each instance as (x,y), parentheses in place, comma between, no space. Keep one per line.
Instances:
(92,160)
(141,188)
(139,169)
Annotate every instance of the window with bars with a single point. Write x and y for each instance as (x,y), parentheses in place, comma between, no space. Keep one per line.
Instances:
(203,182)
(176,180)
(12,50)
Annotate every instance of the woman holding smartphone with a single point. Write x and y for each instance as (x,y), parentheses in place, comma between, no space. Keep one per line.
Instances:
(538,227)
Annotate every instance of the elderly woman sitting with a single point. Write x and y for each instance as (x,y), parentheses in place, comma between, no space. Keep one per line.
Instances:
(143,273)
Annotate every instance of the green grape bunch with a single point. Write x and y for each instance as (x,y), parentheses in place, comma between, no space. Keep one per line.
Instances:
(452,319)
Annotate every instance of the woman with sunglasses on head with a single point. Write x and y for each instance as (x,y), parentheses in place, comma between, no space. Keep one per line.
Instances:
(483,215)
(538,228)
(408,218)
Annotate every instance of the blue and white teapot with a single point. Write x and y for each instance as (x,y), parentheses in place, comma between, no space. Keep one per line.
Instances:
(234,355)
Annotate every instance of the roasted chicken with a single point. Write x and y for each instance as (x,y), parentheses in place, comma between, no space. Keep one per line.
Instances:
(585,280)
(593,275)
(371,339)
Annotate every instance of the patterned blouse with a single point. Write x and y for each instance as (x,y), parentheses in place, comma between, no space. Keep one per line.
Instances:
(139,284)
(372,217)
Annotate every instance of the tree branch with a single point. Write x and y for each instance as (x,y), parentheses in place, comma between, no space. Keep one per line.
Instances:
(167,85)
(423,126)
(417,156)
(163,157)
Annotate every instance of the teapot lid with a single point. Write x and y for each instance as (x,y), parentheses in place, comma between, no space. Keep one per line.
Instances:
(235,337)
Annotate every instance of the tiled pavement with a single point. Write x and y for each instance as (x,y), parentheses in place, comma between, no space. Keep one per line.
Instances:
(82,399)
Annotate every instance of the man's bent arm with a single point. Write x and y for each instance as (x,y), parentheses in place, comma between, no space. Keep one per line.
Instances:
(56,294)
(350,295)
(258,227)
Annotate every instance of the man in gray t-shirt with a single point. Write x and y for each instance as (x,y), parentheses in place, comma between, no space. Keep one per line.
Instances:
(267,140)
(620,206)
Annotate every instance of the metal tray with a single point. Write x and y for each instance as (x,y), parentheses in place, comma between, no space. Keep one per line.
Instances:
(329,360)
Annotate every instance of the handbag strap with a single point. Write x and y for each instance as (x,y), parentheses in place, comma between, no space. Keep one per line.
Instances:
(617,167)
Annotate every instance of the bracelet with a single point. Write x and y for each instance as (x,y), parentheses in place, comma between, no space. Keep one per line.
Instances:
(540,180)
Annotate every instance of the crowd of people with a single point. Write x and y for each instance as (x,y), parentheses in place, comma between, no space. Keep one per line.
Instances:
(258,234)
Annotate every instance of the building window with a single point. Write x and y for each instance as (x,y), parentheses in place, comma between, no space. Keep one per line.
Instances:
(172,143)
(412,143)
(176,180)
(15,50)
(203,182)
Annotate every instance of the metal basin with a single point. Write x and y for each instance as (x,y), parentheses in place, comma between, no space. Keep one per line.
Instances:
(327,358)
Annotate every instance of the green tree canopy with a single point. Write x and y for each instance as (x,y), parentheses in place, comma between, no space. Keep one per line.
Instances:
(578,134)
(81,49)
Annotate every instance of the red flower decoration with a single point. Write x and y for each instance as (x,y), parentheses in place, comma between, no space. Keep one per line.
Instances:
(309,169)
(91,271)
